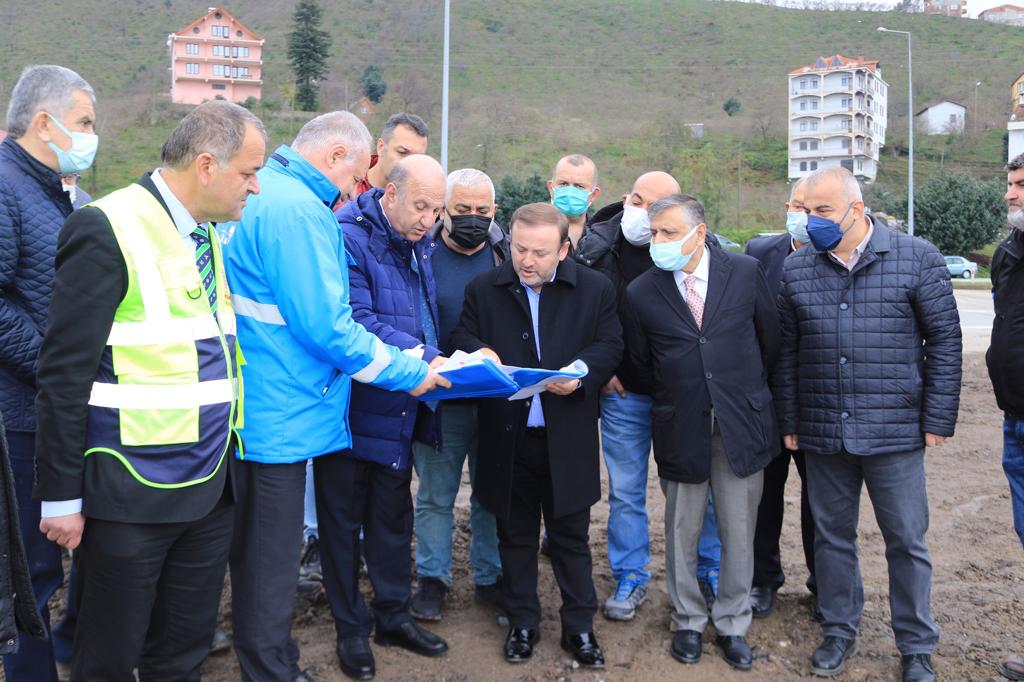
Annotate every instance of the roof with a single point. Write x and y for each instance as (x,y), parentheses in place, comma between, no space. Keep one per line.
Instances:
(226,15)
(1000,8)
(944,101)
(836,61)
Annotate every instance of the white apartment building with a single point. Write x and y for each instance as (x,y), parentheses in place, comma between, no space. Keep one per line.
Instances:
(837,113)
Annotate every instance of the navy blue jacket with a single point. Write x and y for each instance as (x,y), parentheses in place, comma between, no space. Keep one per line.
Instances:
(871,360)
(33,206)
(384,294)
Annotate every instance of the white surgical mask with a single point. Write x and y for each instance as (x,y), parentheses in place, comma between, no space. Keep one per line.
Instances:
(636,225)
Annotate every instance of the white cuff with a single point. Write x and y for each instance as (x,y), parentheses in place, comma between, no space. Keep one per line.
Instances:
(416,352)
(62,508)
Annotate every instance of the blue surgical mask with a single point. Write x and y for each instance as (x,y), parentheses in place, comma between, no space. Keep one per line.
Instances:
(83,150)
(826,234)
(669,256)
(572,201)
(796,225)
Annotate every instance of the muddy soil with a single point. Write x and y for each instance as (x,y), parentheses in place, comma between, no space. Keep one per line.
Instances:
(978,591)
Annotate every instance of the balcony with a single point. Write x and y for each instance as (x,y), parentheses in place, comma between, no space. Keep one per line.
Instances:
(218,79)
(805,153)
(243,61)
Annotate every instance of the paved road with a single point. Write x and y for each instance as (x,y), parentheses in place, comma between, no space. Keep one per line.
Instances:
(976,315)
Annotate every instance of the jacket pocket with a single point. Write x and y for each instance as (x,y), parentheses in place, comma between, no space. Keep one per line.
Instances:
(335,373)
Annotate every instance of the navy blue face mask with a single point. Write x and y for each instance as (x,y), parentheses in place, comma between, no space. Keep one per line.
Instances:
(826,234)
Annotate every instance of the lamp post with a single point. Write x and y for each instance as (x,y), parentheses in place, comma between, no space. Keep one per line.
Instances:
(910,127)
(976,108)
(444,87)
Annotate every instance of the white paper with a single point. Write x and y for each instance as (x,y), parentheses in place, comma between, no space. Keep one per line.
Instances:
(577,369)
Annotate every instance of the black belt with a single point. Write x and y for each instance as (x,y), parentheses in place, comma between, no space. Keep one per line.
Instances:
(537,431)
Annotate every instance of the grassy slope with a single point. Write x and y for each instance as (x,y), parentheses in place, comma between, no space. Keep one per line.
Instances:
(532,80)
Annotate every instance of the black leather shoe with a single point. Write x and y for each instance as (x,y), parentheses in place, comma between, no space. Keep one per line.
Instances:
(830,656)
(918,668)
(412,637)
(519,644)
(735,651)
(686,646)
(356,659)
(428,601)
(762,601)
(584,648)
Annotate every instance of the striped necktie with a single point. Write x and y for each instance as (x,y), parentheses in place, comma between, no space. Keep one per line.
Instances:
(204,261)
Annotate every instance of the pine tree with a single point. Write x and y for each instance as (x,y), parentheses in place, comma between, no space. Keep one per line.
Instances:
(308,49)
(374,85)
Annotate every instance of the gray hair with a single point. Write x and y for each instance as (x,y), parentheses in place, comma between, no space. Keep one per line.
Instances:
(411,121)
(467,177)
(693,210)
(576,160)
(336,127)
(1015,164)
(796,185)
(46,88)
(847,182)
(216,128)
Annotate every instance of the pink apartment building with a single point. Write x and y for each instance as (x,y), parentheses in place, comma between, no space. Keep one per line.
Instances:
(215,55)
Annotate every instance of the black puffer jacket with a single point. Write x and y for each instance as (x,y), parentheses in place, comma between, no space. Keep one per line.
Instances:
(1004,357)
(17,600)
(871,360)
(33,207)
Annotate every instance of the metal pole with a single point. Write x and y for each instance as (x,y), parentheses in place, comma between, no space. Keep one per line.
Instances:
(910,126)
(444,87)
(976,108)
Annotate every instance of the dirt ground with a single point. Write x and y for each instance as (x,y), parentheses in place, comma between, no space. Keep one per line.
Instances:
(978,591)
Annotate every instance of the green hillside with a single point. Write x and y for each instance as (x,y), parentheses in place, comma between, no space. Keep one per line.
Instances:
(532,80)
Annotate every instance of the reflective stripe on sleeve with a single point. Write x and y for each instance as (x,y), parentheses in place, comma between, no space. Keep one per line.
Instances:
(380,362)
(261,312)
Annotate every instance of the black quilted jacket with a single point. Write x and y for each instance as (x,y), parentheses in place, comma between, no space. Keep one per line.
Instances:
(33,207)
(871,360)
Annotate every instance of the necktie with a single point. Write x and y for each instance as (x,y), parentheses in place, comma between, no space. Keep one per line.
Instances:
(204,261)
(694,300)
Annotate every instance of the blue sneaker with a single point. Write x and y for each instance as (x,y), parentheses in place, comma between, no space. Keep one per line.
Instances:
(630,593)
(709,587)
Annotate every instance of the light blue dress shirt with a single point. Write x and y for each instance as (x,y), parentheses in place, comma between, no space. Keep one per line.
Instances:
(536,416)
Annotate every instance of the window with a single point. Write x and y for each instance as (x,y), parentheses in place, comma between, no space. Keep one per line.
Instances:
(803,84)
(220,70)
(814,165)
(803,165)
(814,104)
(192,68)
(191,48)
(218,50)
(221,31)
(814,83)
(1020,86)
(814,125)
(814,144)
(803,124)
(860,165)
(845,81)
(240,72)
(803,105)
(847,102)
(239,52)
(219,86)
(846,143)
(803,146)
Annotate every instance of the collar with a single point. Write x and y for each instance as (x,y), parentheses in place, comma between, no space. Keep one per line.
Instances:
(33,167)
(288,161)
(183,220)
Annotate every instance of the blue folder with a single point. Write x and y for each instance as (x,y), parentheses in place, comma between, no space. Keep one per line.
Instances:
(482,380)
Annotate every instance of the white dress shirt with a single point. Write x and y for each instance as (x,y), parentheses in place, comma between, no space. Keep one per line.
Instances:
(701,275)
(857,252)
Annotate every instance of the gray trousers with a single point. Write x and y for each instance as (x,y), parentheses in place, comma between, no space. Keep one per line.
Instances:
(736,503)
(896,486)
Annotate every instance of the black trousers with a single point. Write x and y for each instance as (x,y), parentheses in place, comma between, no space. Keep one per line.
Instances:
(568,541)
(767,561)
(352,494)
(148,597)
(265,567)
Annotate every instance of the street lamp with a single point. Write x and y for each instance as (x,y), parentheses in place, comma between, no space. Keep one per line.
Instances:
(910,127)
(976,108)
(444,86)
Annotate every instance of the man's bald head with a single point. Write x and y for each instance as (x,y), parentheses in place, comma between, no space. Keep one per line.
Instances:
(414,196)
(651,187)
(576,167)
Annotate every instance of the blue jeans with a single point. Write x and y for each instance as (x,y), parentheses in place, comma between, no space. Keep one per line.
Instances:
(709,549)
(440,474)
(309,506)
(1013,465)
(34,660)
(626,444)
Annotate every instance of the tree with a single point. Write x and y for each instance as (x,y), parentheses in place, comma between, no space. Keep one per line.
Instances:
(957,213)
(308,49)
(374,85)
(512,193)
(731,106)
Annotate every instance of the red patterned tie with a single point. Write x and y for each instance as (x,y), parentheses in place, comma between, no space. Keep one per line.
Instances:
(694,300)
